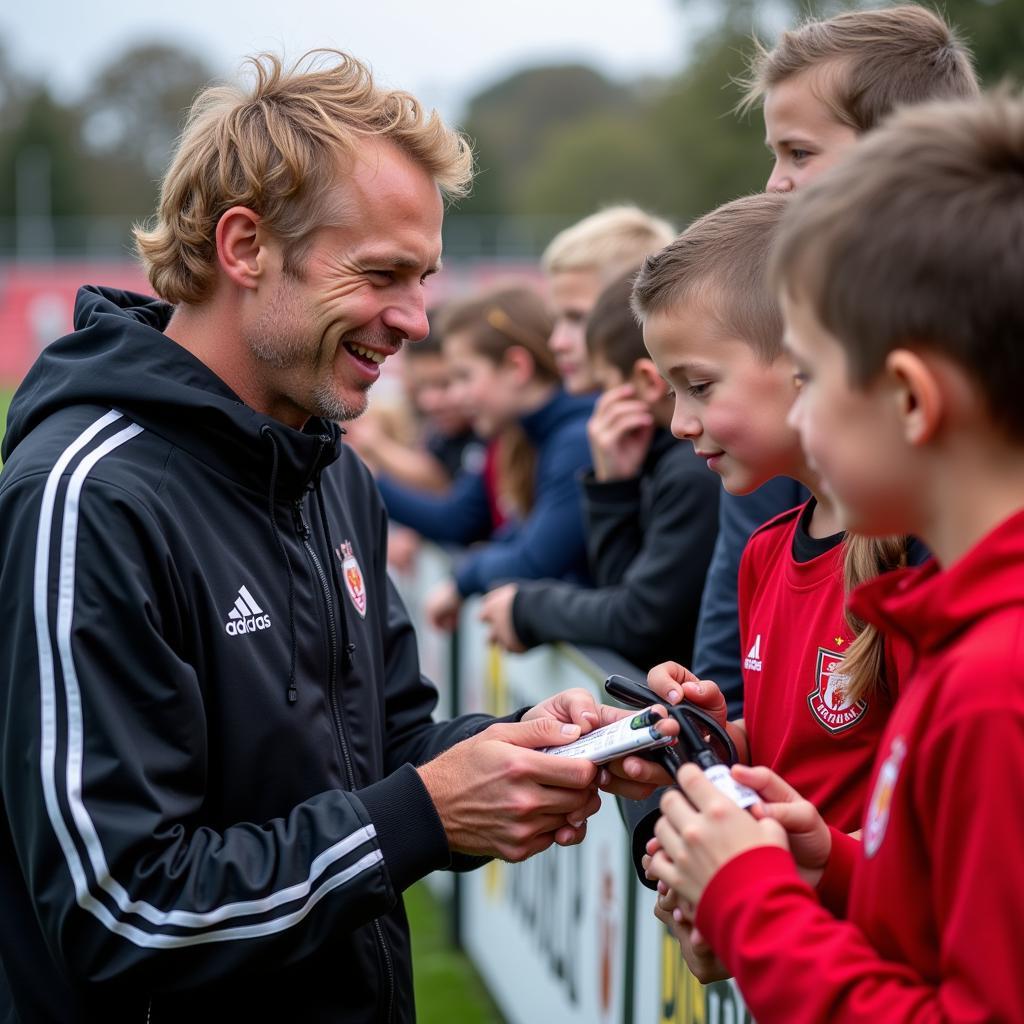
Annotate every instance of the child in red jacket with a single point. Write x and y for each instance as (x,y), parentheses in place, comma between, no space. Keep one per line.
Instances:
(899,272)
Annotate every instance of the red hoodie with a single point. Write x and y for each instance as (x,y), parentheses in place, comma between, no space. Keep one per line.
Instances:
(935,927)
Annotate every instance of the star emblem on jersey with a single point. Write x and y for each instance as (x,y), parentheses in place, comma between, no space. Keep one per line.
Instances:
(353,576)
(881,798)
(246,616)
(828,701)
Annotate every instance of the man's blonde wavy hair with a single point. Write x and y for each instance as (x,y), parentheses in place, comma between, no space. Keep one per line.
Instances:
(275,148)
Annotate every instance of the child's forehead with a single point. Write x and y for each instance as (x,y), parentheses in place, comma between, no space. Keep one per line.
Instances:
(691,334)
(806,100)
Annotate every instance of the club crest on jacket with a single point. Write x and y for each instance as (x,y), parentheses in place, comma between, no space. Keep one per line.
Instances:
(353,576)
(828,701)
(881,798)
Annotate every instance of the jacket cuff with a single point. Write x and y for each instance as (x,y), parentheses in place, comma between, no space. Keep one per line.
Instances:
(521,619)
(409,830)
(643,831)
(834,885)
(611,491)
(465,576)
(739,885)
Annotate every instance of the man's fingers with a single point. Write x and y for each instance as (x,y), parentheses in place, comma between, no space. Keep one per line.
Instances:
(581,707)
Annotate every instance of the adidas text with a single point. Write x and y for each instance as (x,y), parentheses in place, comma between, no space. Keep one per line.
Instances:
(250,625)
(246,616)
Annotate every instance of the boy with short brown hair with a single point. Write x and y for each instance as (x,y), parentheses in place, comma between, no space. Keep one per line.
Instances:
(823,85)
(899,274)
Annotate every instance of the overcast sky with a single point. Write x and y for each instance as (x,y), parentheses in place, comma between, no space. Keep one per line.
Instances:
(443,50)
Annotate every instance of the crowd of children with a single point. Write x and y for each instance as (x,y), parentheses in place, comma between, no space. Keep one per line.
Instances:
(846,363)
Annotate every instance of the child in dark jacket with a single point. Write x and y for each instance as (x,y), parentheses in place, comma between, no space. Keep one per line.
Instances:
(651,510)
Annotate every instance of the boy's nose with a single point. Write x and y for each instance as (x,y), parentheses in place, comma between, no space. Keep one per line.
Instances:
(780,181)
(685,426)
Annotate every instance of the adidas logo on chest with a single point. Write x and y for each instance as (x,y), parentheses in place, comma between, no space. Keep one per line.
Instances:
(246,616)
(752,662)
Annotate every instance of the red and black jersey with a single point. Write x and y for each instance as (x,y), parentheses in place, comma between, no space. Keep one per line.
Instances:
(794,637)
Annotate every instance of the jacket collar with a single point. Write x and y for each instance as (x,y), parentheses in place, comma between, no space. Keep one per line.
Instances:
(540,424)
(119,357)
(930,607)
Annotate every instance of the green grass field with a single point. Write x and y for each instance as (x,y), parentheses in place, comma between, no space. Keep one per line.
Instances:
(447,986)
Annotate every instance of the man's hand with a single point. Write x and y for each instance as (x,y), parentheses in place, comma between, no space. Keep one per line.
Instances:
(810,841)
(620,431)
(575,707)
(496,611)
(633,776)
(442,606)
(578,706)
(498,797)
(696,843)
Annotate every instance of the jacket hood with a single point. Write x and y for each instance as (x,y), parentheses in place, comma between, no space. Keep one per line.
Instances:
(119,357)
(931,607)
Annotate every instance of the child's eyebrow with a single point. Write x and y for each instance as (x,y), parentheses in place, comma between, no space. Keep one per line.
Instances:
(689,369)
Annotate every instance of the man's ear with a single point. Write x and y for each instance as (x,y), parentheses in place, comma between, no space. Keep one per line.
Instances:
(240,249)
(649,385)
(921,401)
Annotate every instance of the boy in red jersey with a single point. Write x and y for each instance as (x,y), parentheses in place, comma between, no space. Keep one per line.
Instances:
(714,330)
(900,280)
(823,85)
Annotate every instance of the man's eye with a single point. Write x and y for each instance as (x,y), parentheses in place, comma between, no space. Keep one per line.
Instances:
(382,275)
(799,379)
(698,390)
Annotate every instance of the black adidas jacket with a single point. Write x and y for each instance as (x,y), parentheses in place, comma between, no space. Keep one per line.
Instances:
(210,702)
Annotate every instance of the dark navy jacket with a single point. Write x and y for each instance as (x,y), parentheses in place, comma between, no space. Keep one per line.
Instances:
(210,702)
(550,541)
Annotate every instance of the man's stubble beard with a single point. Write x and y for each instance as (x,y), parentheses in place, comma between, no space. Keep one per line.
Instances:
(275,342)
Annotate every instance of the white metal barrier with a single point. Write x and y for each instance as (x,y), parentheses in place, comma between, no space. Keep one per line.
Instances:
(569,935)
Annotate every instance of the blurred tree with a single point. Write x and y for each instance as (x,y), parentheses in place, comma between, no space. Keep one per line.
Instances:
(712,154)
(605,158)
(994,30)
(513,121)
(40,154)
(130,118)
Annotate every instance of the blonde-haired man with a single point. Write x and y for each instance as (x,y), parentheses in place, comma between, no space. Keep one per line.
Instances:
(580,262)
(211,696)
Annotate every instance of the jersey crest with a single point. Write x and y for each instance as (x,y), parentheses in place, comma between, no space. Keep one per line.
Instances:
(828,701)
(881,798)
(353,576)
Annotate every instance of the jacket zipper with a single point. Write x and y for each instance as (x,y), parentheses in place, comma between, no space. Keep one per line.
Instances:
(332,633)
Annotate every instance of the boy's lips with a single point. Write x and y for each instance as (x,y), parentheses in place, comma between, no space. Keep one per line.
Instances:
(712,459)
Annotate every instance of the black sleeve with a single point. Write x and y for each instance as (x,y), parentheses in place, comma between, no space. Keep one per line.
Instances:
(412,737)
(649,612)
(105,760)
(614,534)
